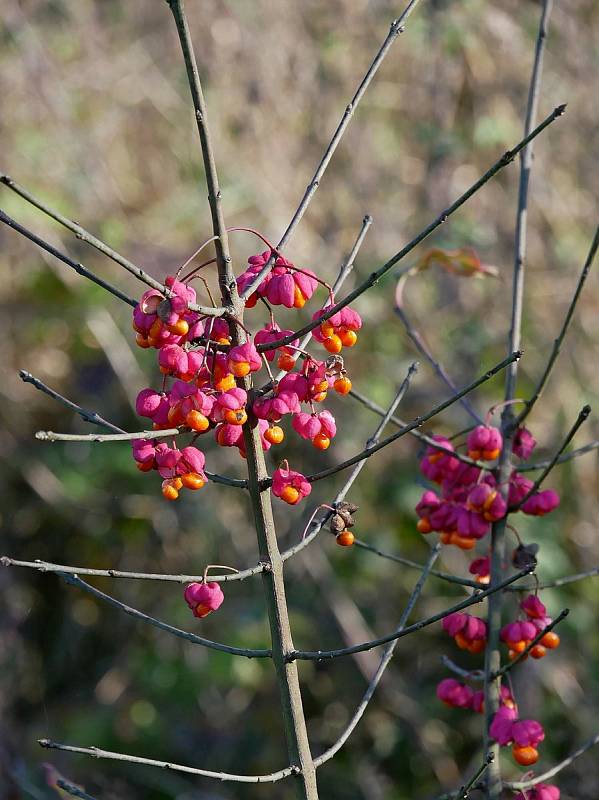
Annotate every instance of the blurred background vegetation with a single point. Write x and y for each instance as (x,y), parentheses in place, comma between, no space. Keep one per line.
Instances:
(97,121)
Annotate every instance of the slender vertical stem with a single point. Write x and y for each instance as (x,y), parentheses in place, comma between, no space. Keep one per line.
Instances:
(282,644)
(226,278)
(498,540)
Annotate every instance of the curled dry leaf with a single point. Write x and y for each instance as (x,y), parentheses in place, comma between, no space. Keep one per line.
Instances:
(463,262)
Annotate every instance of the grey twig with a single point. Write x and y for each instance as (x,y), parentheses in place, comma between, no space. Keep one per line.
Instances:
(464,792)
(579,576)
(51,436)
(74,580)
(298,746)
(557,344)
(439,369)
(423,437)
(375,276)
(416,423)
(79,268)
(73,790)
(397,26)
(322,655)
(119,433)
(582,417)
(551,773)
(226,278)
(498,536)
(384,662)
(89,238)
(88,416)
(97,752)
(468,674)
(446,576)
(581,451)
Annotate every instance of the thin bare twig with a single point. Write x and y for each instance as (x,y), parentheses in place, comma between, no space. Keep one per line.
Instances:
(557,344)
(438,368)
(74,580)
(119,433)
(97,752)
(81,233)
(226,278)
(423,437)
(582,417)
(397,27)
(551,773)
(566,579)
(492,686)
(416,423)
(298,746)
(88,416)
(446,576)
(477,597)
(464,792)
(581,451)
(79,268)
(384,662)
(74,791)
(375,276)
(52,436)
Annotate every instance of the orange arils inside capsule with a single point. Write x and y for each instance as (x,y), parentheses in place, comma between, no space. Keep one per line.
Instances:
(345,538)
(192,480)
(274,434)
(197,421)
(286,362)
(348,338)
(321,441)
(290,495)
(525,755)
(342,385)
(237,417)
(240,368)
(333,344)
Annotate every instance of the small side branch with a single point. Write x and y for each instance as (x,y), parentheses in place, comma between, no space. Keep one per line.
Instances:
(439,369)
(374,277)
(74,791)
(579,576)
(97,752)
(226,277)
(582,417)
(81,233)
(557,344)
(88,416)
(551,773)
(323,655)
(397,27)
(79,268)
(74,580)
(383,664)
(464,792)
(581,451)
(416,423)
(118,435)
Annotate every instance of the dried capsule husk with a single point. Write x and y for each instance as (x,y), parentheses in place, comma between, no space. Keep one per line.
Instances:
(342,518)
(337,523)
(524,556)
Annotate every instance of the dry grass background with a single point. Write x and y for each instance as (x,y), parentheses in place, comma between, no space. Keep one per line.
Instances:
(96,119)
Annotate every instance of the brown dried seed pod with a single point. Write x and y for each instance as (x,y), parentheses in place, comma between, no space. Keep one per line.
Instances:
(337,523)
